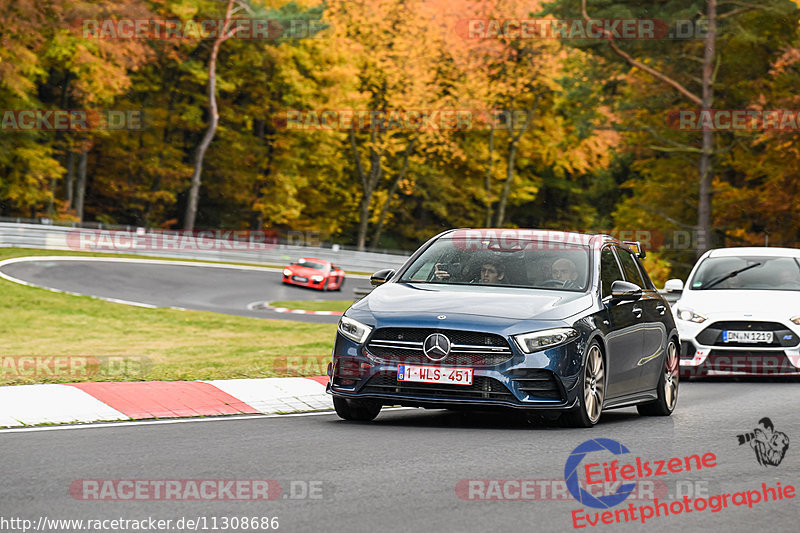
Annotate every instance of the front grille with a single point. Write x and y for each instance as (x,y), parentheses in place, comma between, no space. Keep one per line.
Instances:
(781,336)
(482,388)
(468,348)
(538,384)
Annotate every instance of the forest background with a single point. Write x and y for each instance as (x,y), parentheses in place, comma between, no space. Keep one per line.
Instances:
(566,131)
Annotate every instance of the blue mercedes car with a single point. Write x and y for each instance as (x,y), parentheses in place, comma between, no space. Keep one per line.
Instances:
(557,323)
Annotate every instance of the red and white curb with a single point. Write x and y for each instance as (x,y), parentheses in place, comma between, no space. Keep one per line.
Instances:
(29,405)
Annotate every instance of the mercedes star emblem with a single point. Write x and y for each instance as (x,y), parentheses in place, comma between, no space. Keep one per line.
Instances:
(436,347)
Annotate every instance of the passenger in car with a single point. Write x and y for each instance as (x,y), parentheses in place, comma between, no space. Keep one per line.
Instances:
(492,272)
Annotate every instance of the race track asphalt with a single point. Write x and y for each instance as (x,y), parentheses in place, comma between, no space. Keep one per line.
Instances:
(221,290)
(400,472)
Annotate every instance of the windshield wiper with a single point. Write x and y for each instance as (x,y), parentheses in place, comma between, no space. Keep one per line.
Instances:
(729,276)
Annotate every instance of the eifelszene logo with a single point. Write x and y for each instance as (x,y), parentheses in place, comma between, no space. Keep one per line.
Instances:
(770,445)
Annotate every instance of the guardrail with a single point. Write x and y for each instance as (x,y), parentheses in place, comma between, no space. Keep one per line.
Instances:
(65,238)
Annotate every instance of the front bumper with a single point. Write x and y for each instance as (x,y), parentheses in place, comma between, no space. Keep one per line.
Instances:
(544,381)
(703,353)
(308,283)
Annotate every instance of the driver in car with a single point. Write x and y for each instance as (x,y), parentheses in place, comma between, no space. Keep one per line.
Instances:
(787,278)
(566,272)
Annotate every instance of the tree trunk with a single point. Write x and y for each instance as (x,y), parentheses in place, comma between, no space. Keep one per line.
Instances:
(194,189)
(513,145)
(368,184)
(70,178)
(704,229)
(80,194)
(400,175)
(488,179)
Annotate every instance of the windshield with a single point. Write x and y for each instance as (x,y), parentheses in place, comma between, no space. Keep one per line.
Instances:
(515,263)
(310,264)
(751,273)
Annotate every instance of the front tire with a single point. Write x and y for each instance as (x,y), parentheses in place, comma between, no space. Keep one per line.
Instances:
(667,386)
(590,402)
(356,410)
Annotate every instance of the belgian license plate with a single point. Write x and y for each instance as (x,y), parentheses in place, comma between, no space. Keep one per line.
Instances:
(746,336)
(434,374)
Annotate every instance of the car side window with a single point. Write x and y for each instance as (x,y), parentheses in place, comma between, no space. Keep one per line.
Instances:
(628,262)
(609,271)
(648,283)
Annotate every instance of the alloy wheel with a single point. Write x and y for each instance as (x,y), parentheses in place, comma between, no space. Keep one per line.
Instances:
(671,376)
(594,384)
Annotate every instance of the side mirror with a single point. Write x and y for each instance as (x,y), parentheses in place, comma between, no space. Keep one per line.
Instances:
(624,291)
(673,285)
(381,276)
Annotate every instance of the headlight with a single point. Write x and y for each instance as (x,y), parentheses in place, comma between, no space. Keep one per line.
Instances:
(540,340)
(354,330)
(796,320)
(287,272)
(317,278)
(690,316)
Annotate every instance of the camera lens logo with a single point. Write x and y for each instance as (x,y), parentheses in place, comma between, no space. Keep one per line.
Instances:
(571,474)
(436,347)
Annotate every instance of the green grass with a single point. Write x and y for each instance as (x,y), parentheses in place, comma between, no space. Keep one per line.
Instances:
(173,344)
(315,305)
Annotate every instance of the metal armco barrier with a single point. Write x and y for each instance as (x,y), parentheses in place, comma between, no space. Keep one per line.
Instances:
(52,237)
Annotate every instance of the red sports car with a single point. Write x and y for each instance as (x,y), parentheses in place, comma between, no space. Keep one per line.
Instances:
(314,273)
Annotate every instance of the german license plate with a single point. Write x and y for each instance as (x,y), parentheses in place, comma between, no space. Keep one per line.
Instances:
(301,279)
(434,374)
(746,336)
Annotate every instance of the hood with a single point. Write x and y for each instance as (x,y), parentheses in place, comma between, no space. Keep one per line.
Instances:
(751,302)
(497,302)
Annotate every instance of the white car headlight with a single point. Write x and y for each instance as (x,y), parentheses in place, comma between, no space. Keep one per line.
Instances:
(287,272)
(540,340)
(354,330)
(690,316)
(317,278)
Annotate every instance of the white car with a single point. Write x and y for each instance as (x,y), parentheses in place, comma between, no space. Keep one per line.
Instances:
(739,313)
